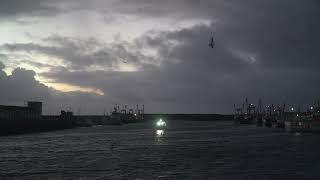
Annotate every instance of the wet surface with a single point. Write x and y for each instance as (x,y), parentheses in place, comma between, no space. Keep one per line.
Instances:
(185,150)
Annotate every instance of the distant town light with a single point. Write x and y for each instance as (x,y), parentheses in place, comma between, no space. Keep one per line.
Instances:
(135,114)
(311,107)
(292,109)
(297,115)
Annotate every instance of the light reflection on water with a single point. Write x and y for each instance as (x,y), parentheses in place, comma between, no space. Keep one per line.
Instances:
(160,133)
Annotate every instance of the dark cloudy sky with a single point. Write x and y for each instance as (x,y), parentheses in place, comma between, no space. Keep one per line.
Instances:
(89,55)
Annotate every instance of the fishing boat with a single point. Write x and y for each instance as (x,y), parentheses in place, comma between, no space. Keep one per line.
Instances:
(131,115)
(280,117)
(161,124)
(275,116)
(246,114)
(308,121)
(115,117)
(260,114)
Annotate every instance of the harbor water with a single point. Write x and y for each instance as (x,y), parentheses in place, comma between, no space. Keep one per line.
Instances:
(184,150)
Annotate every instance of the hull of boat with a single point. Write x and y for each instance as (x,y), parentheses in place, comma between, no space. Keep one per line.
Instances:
(242,120)
(302,126)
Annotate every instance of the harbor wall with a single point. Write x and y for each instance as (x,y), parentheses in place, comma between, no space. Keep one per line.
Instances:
(31,126)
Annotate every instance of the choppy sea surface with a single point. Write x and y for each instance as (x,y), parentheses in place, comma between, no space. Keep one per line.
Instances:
(185,150)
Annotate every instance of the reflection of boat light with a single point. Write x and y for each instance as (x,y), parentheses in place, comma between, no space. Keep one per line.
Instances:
(160,133)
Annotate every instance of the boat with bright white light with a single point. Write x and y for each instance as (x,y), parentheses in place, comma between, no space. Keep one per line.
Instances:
(161,124)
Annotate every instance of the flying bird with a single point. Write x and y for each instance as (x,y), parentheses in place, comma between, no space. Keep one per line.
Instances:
(211,44)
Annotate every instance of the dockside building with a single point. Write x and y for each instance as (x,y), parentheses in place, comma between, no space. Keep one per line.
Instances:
(32,111)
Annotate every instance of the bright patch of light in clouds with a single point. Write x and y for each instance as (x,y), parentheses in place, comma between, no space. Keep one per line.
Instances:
(64,87)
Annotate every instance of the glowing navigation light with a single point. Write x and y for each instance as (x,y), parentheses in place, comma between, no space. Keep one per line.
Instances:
(161,123)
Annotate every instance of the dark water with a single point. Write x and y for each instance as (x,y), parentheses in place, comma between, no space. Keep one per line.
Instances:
(186,150)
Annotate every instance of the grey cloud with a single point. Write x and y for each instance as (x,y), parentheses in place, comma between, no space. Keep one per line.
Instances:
(2,74)
(114,10)
(190,48)
(1,65)
(204,79)
(22,86)
(283,33)
(178,9)
(195,91)
(80,54)
(16,8)
(280,33)
(37,64)
(265,49)
(3,57)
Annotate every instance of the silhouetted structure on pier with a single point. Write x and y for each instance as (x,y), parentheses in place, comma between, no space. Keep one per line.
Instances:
(16,113)
(28,119)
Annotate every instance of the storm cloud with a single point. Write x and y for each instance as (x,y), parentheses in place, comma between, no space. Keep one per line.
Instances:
(263,49)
